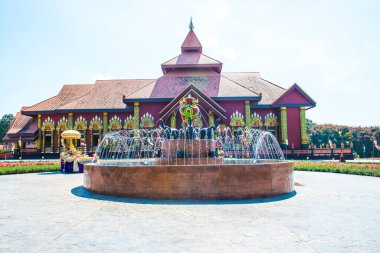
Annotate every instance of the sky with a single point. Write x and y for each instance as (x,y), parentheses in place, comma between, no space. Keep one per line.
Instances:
(330,48)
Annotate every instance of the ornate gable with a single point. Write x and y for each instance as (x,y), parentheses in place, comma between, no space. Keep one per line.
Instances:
(237,119)
(114,123)
(80,124)
(271,120)
(256,120)
(147,121)
(129,122)
(48,125)
(96,123)
(62,124)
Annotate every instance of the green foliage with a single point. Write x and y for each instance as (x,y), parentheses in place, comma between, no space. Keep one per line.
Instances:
(337,169)
(359,136)
(29,169)
(5,123)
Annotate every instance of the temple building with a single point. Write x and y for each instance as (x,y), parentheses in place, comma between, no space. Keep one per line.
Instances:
(237,99)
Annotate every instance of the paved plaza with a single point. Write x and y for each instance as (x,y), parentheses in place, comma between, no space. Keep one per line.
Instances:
(51,212)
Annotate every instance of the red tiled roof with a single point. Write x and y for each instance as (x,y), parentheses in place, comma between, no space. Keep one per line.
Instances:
(107,94)
(212,84)
(22,126)
(68,93)
(253,81)
(190,59)
(19,122)
(191,43)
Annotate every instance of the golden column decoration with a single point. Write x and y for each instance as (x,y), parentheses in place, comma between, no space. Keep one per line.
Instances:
(136,114)
(70,120)
(211,119)
(43,142)
(91,141)
(173,121)
(105,123)
(303,127)
(39,124)
(248,113)
(58,140)
(284,127)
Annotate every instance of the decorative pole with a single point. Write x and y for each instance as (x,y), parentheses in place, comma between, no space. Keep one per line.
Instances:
(71,120)
(211,119)
(173,121)
(39,133)
(284,128)
(303,128)
(248,114)
(105,123)
(136,114)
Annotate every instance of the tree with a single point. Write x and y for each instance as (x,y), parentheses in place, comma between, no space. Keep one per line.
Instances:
(5,123)
(361,137)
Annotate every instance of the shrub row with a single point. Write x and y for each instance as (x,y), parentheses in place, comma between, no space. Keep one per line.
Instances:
(29,169)
(336,168)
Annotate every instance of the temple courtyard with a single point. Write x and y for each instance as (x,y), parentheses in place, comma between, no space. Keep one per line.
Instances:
(51,212)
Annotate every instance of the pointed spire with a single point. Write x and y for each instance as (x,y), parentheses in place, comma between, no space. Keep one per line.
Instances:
(191,43)
(191,26)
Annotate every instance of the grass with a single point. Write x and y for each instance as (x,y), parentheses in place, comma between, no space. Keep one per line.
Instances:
(29,169)
(337,168)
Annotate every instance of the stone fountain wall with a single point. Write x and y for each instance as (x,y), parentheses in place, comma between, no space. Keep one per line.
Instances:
(200,182)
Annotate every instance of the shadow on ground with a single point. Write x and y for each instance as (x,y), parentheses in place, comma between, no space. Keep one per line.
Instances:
(49,173)
(80,191)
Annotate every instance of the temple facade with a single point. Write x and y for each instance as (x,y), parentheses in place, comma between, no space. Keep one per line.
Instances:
(236,99)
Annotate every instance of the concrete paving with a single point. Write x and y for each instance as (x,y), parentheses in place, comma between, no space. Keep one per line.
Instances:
(51,212)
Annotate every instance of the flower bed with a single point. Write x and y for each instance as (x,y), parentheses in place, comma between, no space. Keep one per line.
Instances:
(31,168)
(344,168)
(27,163)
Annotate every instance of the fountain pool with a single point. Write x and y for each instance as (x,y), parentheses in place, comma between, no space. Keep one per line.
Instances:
(197,163)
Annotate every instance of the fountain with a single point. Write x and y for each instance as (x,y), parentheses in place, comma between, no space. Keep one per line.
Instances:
(216,162)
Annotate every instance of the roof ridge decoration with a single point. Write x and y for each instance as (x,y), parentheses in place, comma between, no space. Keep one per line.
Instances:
(96,123)
(256,120)
(191,26)
(80,123)
(271,120)
(147,121)
(237,119)
(129,122)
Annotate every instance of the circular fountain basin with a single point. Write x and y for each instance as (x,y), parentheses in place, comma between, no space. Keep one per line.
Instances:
(196,182)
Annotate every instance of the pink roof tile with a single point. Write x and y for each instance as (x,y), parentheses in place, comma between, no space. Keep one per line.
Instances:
(107,94)
(253,81)
(191,58)
(68,93)
(19,122)
(191,43)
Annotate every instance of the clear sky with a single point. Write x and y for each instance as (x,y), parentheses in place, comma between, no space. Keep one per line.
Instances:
(330,48)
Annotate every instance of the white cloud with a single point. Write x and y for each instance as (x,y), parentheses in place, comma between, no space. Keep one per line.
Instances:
(213,45)
(100,76)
